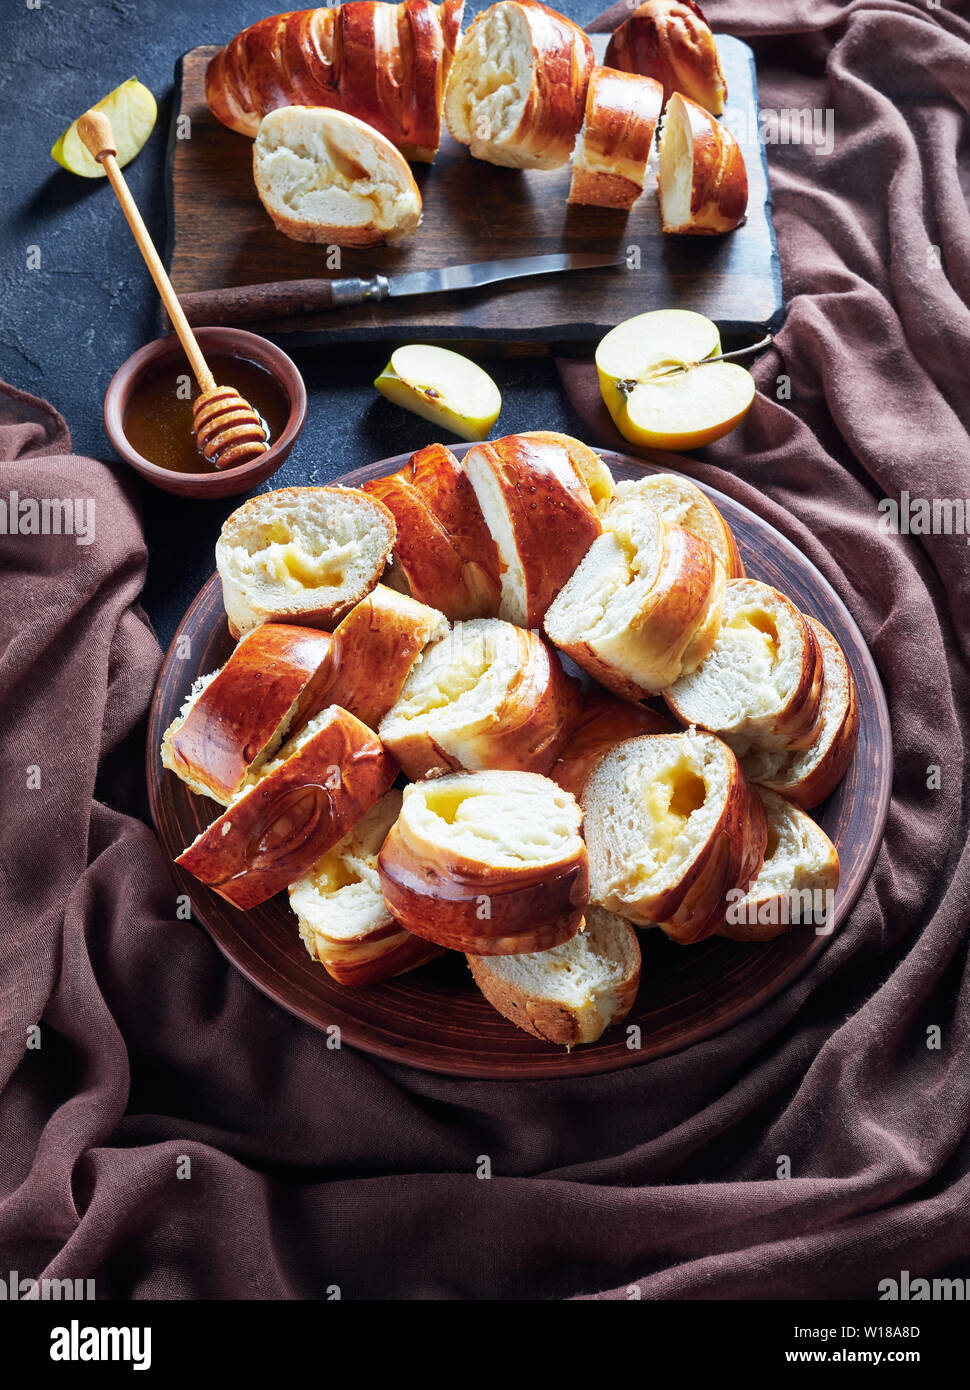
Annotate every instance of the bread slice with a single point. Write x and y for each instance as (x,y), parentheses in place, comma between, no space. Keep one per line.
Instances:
(808,776)
(324,176)
(571,993)
(489,863)
(443,546)
(540,494)
(681,503)
(375,649)
(672,828)
(235,718)
(344,921)
(586,464)
(614,145)
(292,810)
(702,183)
(644,606)
(517,86)
(487,695)
(795,884)
(762,684)
(671,41)
(603,722)
(302,554)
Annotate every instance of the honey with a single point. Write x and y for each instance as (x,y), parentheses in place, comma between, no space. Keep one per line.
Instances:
(158,419)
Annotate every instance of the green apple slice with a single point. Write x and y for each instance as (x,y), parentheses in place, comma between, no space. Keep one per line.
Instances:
(132,112)
(443,387)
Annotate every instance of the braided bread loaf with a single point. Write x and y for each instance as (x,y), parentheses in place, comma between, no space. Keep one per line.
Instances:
(384,64)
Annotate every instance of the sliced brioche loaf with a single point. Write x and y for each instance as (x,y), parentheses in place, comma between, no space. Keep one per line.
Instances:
(671,827)
(443,546)
(539,494)
(586,464)
(292,810)
(681,503)
(702,182)
(344,921)
(644,606)
(808,776)
(517,87)
(571,993)
(610,158)
(490,863)
(302,554)
(762,684)
(375,648)
(672,41)
(487,695)
(796,882)
(324,176)
(236,718)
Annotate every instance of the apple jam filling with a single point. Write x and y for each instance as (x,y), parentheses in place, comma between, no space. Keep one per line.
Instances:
(759,632)
(671,799)
(300,552)
(333,872)
(445,805)
(499,818)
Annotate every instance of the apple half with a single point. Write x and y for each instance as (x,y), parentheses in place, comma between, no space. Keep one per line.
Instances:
(443,387)
(659,408)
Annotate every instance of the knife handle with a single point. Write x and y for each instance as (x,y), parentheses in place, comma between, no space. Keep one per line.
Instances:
(254,303)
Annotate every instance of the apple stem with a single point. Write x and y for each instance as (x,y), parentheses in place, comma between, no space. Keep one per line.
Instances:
(721,357)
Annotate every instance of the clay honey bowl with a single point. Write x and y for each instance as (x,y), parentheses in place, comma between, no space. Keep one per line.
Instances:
(214,342)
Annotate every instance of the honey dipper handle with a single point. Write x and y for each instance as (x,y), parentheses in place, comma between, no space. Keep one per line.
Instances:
(95,130)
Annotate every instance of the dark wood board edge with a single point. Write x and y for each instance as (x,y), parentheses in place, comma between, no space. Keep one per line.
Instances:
(178,73)
(522,339)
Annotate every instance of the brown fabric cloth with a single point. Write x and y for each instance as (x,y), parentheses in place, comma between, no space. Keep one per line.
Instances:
(312,1167)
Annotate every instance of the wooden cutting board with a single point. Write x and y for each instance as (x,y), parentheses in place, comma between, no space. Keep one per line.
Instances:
(219,236)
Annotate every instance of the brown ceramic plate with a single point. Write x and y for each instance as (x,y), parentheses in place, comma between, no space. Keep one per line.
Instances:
(434,1018)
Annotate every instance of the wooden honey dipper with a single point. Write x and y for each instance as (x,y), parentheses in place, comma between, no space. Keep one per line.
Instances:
(227,429)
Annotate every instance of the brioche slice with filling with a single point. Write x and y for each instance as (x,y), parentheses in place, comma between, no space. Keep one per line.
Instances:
(681,503)
(344,921)
(487,695)
(807,776)
(326,177)
(517,86)
(235,718)
(672,828)
(763,682)
(443,546)
(795,884)
(604,721)
(375,648)
(292,810)
(540,494)
(571,993)
(489,863)
(302,554)
(644,606)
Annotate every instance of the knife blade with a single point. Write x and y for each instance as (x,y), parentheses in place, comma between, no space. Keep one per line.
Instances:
(253,303)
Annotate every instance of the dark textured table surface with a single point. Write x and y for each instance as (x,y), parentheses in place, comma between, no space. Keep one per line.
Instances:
(66,325)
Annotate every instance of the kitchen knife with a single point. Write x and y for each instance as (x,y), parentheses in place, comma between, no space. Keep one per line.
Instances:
(252,303)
